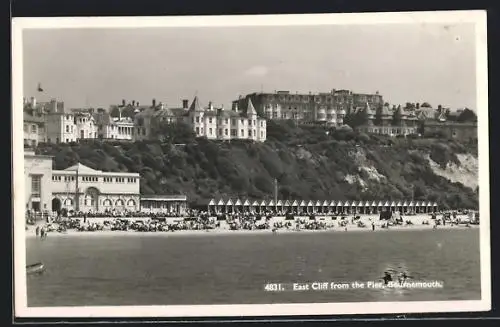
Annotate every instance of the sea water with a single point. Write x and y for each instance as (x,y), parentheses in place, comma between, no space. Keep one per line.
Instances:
(159,269)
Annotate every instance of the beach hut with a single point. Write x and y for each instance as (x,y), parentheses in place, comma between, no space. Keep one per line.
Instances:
(255,206)
(326,205)
(246,206)
(399,206)
(302,207)
(392,206)
(310,207)
(271,206)
(353,207)
(405,207)
(434,207)
(318,207)
(229,206)
(295,206)
(366,207)
(211,206)
(238,206)
(339,205)
(417,206)
(279,205)
(429,207)
(373,207)
(221,206)
(262,206)
(287,206)
(380,206)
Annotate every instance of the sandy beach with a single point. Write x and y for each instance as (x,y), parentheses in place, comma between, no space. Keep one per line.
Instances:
(224,229)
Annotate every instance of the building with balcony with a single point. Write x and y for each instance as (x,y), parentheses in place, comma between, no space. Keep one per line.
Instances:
(325,108)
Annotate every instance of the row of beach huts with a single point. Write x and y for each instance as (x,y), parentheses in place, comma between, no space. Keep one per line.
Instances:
(221,206)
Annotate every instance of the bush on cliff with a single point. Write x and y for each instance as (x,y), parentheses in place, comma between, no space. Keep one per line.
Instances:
(308,162)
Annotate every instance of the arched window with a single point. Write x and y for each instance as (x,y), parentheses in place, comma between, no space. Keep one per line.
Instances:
(131,203)
(68,202)
(119,202)
(107,203)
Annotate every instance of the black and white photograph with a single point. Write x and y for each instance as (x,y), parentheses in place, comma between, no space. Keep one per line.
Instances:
(326,164)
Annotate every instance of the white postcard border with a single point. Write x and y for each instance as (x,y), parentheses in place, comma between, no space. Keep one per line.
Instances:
(475,16)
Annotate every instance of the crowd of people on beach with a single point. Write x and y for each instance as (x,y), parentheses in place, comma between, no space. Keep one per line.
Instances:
(201,220)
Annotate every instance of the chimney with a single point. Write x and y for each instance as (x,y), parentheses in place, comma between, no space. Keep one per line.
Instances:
(138,103)
(154,102)
(185,104)
(33,102)
(236,106)
(119,114)
(133,103)
(210,106)
(123,102)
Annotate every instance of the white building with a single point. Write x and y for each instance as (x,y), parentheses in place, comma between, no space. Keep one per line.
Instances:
(34,130)
(98,191)
(60,127)
(85,126)
(37,177)
(121,128)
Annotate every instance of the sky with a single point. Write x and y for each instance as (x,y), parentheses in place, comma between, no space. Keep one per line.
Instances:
(99,67)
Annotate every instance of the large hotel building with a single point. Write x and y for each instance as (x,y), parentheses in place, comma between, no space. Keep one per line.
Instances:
(329,108)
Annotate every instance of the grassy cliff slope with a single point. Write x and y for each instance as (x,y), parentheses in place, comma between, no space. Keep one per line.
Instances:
(308,162)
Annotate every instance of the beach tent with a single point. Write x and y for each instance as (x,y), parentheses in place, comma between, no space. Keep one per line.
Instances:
(279,204)
(229,206)
(255,205)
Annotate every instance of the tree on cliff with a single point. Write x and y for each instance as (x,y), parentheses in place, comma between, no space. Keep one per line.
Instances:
(396,118)
(174,133)
(356,119)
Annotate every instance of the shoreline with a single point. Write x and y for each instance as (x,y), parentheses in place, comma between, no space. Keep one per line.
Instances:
(30,234)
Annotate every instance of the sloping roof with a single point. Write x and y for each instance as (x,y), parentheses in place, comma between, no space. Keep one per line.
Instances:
(238,202)
(386,111)
(246,203)
(250,108)
(280,203)
(81,169)
(255,203)
(195,105)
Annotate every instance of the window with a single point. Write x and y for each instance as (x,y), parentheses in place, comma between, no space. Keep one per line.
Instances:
(233,132)
(33,143)
(202,130)
(220,131)
(33,128)
(233,121)
(57,140)
(261,134)
(36,185)
(226,121)
(225,131)
(210,130)
(210,121)
(82,134)
(197,119)
(67,128)
(242,132)
(241,120)
(197,130)
(67,140)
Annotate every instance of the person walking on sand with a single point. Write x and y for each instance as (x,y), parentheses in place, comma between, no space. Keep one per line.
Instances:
(373,226)
(37,231)
(42,233)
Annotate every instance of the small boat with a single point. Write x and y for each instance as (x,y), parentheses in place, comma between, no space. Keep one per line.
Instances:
(36,268)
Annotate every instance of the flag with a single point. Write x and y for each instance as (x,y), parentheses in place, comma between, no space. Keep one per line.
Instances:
(40,88)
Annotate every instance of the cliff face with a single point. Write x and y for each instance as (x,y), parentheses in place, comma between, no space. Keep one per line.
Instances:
(309,163)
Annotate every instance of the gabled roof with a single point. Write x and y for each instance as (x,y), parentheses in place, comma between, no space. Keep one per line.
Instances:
(434,204)
(271,203)
(263,203)
(287,203)
(295,203)
(386,204)
(229,202)
(211,202)
(347,203)
(326,203)
(302,203)
(255,203)
(405,203)
(393,204)
(374,203)
(318,203)
(246,203)
(82,169)
(195,105)
(380,203)
(250,108)
(238,202)
(360,203)
(367,203)
(280,203)
(220,202)
(310,203)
